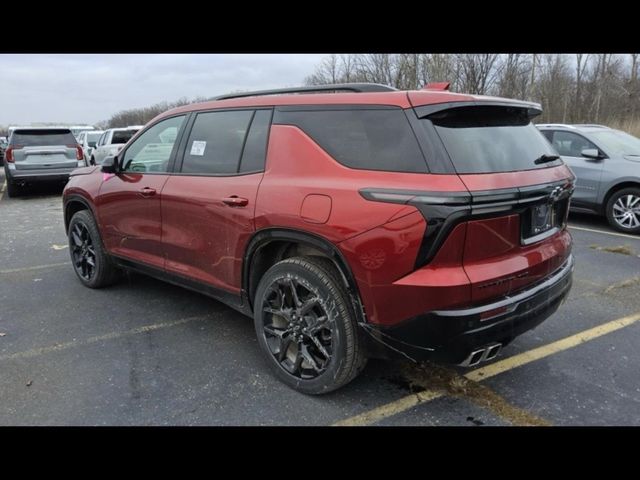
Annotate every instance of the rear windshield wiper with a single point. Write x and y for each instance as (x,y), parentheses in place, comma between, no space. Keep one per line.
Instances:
(545,159)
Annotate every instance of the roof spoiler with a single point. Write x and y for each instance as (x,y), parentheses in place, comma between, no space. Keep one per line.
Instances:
(437,86)
(532,109)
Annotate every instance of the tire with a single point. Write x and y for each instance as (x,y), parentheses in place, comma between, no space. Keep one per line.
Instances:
(13,190)
(623,210)
(92,161)
(85,245)
(324,312)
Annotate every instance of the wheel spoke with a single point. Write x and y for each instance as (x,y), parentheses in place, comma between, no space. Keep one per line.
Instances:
(320,347)
(309,358)
(77,242)
(308,305)
(298,363)
(294,293)
(295,328)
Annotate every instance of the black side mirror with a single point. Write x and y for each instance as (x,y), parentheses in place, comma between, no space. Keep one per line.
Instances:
(110,164)
(592,153)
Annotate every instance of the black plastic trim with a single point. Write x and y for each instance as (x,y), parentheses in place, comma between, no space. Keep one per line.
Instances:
(76,198)
(232,300)
(263,237)
(533,109)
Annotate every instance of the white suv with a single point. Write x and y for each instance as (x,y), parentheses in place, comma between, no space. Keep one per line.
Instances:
(88,140)
(111,141)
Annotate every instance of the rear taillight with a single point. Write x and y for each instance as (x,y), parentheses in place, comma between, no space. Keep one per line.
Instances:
(79,152)
(8,154)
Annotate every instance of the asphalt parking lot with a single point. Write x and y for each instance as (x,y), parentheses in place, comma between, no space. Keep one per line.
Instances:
(147,353)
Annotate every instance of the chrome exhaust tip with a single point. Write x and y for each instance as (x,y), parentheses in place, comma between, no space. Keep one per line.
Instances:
(493,351)
(483,354)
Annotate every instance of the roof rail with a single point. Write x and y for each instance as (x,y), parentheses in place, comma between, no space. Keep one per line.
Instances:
(590,125)
(349,87)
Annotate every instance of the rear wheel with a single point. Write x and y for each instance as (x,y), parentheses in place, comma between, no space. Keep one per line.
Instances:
(90,261)
(623,210)
(13,190)
(306,326)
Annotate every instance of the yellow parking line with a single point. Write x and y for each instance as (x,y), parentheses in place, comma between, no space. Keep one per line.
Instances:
(35,352)
(551,348)
(4,184)
(410,401)
(635,237)
(35,267)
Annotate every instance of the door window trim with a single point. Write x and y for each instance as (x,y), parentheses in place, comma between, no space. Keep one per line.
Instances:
(174,150)
(180,156)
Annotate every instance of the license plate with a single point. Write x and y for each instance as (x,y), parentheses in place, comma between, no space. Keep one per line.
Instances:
(541,218)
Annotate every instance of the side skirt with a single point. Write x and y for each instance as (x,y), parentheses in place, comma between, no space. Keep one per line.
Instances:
(230,299)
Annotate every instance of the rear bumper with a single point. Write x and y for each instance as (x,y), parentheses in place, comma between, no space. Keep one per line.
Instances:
(38,175)
(449,336)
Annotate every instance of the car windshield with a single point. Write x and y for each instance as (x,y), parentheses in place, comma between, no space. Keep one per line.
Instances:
(615,142)
(122,136)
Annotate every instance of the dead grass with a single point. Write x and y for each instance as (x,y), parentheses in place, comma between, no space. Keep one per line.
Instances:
(622,249)
(629,126)
(435,377)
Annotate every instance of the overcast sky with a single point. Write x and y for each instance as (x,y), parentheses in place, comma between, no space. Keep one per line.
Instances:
(89,88)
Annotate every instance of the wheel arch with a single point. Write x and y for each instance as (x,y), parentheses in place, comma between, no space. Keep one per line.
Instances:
(74,204)
(270,245)
(619,185)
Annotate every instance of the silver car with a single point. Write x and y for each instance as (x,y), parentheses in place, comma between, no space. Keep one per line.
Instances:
(40,154)
(606,163)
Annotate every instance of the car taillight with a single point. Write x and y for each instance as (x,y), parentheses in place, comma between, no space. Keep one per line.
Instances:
(8,154)
(79,153)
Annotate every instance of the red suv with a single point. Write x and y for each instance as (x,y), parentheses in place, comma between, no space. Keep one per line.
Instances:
(349,221)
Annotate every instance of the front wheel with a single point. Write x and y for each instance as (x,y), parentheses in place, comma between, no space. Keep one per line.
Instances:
(306,325)
(90,261)
(623,210)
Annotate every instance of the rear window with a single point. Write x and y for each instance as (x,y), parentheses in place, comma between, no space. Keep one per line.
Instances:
(367,139)
(40,138)
(93,137)
(490,139)
(122,136)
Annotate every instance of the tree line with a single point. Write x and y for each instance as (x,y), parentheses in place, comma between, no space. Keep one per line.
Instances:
(578,88)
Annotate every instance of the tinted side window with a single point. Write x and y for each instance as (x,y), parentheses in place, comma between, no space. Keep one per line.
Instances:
(570,144)
(363,138)
(255,148)
(548,134)
(215,142)
(151,151)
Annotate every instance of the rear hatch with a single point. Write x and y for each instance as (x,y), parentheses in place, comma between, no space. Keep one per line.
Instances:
(517,198)
(41,149)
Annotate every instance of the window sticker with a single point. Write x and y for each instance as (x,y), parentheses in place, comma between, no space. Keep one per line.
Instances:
(197,148)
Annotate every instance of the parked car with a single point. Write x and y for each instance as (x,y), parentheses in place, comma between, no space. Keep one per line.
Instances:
(3,147)
(38,155)
(607,166)
(110,143)
(87,141)
(370,223)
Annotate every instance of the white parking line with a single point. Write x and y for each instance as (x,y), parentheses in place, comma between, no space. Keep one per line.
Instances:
(35,352)
(36,267)
(635,237)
